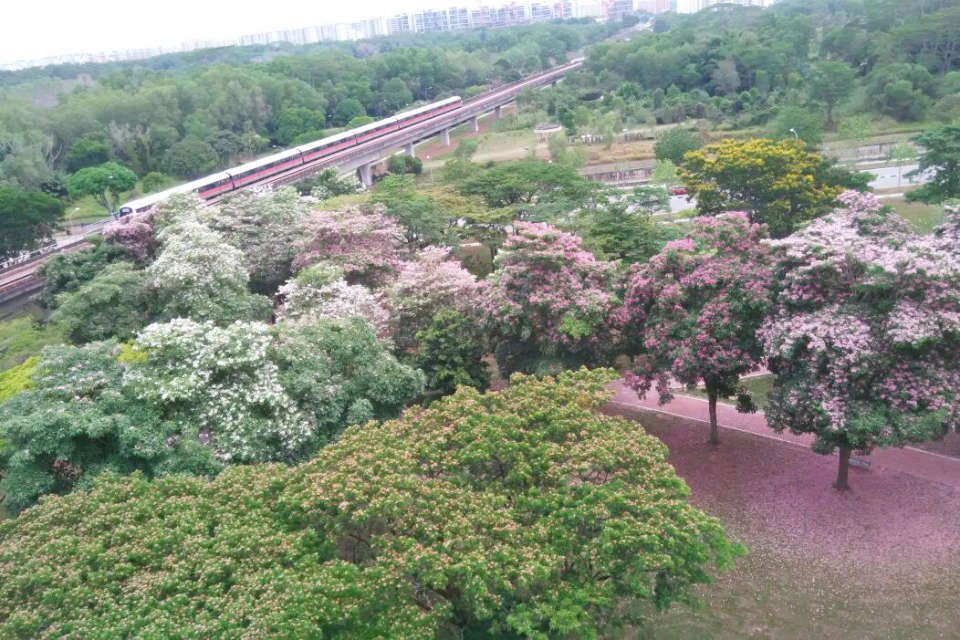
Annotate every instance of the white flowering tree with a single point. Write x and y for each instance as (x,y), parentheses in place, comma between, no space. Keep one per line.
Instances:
(340,374)
(319,293)
(198,275)
(218,386)
(865,339)
(265,228)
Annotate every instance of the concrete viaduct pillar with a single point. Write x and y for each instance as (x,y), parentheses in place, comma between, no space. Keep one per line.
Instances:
(498,111)
(446,137)
(366,174)
(409,150)
(475,124)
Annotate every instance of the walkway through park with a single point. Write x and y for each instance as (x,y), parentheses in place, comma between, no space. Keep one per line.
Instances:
(930,466)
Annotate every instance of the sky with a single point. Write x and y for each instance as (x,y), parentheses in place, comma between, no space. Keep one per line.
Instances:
(32,29)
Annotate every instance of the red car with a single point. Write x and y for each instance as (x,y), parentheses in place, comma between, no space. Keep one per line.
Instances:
(678,191)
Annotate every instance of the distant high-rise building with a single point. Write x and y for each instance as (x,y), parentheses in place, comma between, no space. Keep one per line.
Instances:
(616,9)
(653,6)
(693,6)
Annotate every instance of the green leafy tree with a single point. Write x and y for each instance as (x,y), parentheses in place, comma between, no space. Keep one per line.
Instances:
(901,90)
(780,184)
(156,181)
(423,221)
(797,123)
(530,189)
(940,153)
(451,351)
(346,110)
(664,172)
(115,304)
(295,121)
(674,143)
(28,220)
(104,182)
(72,424)
(85,153)
(339,374)
(831,82)
(65,272)
(190,158)
(617,232)
(357,543)
(393,96)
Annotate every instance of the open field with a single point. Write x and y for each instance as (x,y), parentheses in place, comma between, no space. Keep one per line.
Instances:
(880,561)
(924,217)
(21,337)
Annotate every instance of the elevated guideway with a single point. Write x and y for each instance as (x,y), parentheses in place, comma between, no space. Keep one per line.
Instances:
(18,282)
(363,157)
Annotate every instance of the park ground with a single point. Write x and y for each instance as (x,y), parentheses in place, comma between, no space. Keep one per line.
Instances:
(879,561)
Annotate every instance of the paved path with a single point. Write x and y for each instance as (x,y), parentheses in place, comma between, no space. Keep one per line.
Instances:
(916,462)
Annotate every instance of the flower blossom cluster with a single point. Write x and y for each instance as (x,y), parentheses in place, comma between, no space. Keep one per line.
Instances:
(134,233)
(867,325)
(548,288)
(431,281)
(305,302)
(697,305)
(367,246)
(218,385)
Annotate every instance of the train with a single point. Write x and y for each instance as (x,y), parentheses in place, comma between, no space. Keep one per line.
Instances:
(246,174)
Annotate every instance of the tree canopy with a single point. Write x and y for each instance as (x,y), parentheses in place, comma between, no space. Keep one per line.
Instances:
(523,512)
(865,339)
(104,182)
(28,219)
(779,184)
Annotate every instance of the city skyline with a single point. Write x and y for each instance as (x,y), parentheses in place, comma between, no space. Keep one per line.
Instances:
(376,17)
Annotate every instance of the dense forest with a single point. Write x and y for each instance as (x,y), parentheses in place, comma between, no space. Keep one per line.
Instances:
(186,114)
(810,65)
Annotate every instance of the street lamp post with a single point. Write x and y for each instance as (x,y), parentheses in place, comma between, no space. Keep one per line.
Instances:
(795,134)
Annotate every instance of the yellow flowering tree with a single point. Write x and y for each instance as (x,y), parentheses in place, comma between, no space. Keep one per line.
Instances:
(780,184)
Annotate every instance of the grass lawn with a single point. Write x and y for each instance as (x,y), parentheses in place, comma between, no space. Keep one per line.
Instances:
(758,386)
(924,217)
(22,337)
(85,208)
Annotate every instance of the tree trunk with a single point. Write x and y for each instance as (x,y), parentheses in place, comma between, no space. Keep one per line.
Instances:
(841,484)
(714,428)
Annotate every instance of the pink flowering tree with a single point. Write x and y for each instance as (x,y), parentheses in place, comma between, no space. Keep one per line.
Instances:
(865,337)
(696,306)
(368,247)
(548,299)
(134,233)
(428,283)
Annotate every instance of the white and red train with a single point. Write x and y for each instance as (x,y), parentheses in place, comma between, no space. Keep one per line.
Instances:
(238,177)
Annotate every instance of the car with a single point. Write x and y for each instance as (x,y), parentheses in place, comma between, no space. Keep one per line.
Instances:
(678,191)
